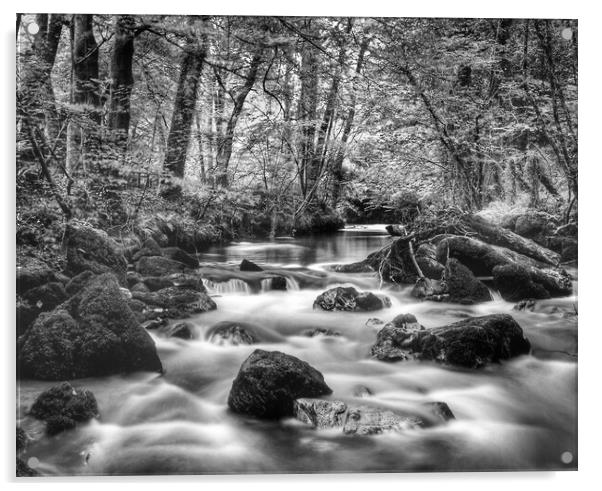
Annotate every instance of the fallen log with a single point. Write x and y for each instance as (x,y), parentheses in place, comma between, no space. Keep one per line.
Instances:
(496,235)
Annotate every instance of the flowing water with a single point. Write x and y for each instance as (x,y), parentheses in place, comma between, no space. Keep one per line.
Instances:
(518,415)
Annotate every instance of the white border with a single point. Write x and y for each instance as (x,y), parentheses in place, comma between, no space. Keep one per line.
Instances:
(590,249)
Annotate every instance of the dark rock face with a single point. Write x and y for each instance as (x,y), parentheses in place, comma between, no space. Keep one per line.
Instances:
(159,266)
(278,283)
(46,297)
(515,283)
(33,273)
(246,265)
(89,249)
(94,333)
(462,285)
(232,333)
(149,248)
(472,343)
(349,299)
(396,230)
(181,256)
(364,419)
(269,382)
(63,406)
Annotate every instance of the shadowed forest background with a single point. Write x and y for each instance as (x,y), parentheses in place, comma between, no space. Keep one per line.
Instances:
(262,126)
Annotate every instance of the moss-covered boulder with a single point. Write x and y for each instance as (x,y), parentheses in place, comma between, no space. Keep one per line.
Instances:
(89,249)
(94,333)
(472,343)
(63,406)
(159,266)
(462,286)
(32,273)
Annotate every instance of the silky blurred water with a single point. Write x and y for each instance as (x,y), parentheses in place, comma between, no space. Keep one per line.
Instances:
(518,415)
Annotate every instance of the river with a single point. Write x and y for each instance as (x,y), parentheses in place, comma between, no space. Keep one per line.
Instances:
(519,415)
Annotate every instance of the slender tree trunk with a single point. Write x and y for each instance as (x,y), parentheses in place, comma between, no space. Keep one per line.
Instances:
(122,80)
(224,151)
(307,115)
(184,105)
(84,130)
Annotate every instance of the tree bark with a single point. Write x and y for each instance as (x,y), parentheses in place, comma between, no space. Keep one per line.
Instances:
(122,80)
(184,105)
(224,151)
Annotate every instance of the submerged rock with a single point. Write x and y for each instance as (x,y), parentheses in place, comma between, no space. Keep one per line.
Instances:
(363,419)
(471,343)
(320,331)
(232,333)
(94,333)
(63,406)
(269,382)
(349,299)
(89,249)
(182,330)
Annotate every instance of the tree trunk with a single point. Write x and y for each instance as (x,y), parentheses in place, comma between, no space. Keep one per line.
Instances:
(184,105)
(85,123)
(224,151)
(122,80)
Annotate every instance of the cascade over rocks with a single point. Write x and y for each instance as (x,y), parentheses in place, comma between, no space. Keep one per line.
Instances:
(269,382)
(63,406)
(94,333)
(93,250)
(471,343)
(349,299)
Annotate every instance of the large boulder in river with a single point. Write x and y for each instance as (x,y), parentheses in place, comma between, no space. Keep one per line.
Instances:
(515,283)
(94,333)
(159,266)
(482,259)
(472,343)
(63,406)
(89,249)
(177,300)
(462,286)
(268,383)
(349,299)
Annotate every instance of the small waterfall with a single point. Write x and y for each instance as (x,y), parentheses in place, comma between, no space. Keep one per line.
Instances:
(224,287)
(292,284)
(268,285)
(495,295)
